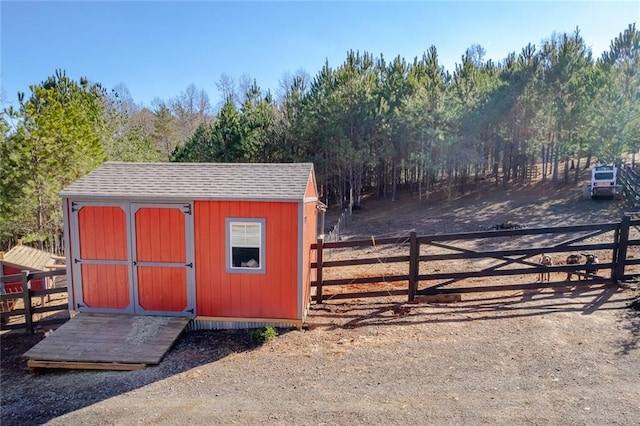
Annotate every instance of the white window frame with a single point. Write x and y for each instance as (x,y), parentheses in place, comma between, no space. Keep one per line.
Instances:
(261,269)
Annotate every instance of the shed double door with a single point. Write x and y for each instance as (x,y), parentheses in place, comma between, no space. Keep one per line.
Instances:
(134,258)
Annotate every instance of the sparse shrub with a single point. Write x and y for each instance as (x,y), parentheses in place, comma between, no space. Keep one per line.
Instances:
(263,334)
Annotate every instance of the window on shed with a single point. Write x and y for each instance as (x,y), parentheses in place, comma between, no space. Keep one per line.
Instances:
(245,249)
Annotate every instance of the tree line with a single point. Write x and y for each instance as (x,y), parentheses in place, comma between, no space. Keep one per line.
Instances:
(371,123)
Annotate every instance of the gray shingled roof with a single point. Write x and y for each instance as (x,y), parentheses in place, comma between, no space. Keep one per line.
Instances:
(193,181)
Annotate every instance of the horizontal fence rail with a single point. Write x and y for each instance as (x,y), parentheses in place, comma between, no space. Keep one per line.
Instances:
(26,294)
(511,261)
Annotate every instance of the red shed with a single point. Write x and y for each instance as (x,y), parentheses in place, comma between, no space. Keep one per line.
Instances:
(21,258)
(225,244)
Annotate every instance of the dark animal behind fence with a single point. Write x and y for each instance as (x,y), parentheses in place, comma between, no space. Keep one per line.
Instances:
(572,259)
(590,261)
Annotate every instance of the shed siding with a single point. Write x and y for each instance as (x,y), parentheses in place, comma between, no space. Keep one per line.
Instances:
(312,190)
(242,295)
(103,236)
(310,223)
(311,215)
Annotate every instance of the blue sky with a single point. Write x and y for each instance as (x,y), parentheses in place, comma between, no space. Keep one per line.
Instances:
(158,48)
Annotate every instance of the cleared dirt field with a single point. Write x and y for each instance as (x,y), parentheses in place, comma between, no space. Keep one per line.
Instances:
(569,358)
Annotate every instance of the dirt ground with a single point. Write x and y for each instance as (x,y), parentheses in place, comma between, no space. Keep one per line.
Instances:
(511,358)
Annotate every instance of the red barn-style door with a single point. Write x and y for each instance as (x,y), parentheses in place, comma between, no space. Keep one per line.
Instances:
(162,262)
(101,266)
(133,258)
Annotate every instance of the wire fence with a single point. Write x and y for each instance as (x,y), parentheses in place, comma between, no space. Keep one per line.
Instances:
(340,227)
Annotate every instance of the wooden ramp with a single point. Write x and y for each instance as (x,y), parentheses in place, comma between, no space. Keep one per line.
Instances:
(107,342)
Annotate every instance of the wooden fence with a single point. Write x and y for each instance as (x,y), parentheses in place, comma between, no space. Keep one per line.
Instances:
(27,295)
(511,261)
(630,181)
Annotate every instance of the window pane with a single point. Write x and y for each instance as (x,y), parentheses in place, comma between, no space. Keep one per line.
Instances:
(252,240)
(245,245)
(237,234)
(245,235)
(242,257)
(253,236)
(237,239)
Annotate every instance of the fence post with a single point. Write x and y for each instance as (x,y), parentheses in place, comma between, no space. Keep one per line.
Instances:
(26,301)
(319,243)
(414,264)
(623,242)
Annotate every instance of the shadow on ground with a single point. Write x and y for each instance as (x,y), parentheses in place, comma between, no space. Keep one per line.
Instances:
(37,398)
(631,322)
(486,307)
(583,300)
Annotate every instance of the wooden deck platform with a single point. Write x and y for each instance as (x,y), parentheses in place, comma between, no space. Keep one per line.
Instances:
(107,341)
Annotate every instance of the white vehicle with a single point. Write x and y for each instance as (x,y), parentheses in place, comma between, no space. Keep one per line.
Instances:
(604,181)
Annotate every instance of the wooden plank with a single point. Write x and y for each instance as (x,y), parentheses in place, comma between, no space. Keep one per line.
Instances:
(363,243)
(364,280)
(10,296)
(512,287)
(414,265)
(621,257)
(514,252)
(364,261)
(47,274)
(10,278)
(26,298)
(48,291)
(319,267)
(111,338)
(115,366)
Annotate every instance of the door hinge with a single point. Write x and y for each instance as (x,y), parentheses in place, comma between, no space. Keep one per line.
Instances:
(189,265)
(187,209)
(76,260)
(189,310)
(73,207)
(79,305)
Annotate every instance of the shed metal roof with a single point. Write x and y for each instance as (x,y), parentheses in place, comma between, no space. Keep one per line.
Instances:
(193,181)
